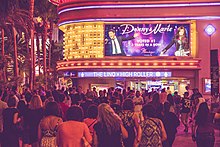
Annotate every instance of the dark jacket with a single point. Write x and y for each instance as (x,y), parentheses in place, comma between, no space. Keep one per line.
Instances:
(177,45)
(120,39)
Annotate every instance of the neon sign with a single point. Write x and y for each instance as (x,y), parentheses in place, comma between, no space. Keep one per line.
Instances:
(123,74)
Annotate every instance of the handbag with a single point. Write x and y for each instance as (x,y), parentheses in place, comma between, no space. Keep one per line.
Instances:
(85,143)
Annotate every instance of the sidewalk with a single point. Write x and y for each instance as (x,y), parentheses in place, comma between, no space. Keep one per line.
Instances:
(184,139)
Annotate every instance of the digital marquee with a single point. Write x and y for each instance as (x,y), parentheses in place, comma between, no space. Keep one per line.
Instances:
(123,74)
(147,40)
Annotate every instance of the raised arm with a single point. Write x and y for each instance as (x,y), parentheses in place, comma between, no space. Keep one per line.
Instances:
(124,132)
(164,134)
(168,46)
(217,116)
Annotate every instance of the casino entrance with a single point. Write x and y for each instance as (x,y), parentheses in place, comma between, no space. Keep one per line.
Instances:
(154,79)
(175,84)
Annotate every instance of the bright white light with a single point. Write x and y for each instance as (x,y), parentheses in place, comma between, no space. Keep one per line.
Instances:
(210,29)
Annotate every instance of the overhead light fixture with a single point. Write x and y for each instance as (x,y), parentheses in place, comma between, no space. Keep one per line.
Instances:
(210,29)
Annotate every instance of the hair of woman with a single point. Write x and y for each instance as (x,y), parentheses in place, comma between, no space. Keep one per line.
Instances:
(74,113)
(21,106)
(202,114)
(148,110)
(92,111)
(52,108)
(156,99)
(107,117)
(170,99)
(178,30)
(128,104)
(35,102)
(167,107)
(11,102)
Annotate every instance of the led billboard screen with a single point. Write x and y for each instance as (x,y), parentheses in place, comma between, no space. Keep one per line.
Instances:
(147,39)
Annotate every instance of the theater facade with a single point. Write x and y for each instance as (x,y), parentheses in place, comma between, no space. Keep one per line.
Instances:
(159,43)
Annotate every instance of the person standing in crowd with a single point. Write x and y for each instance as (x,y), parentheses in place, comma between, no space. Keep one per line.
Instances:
(186,105)
(156,104)
(171,102)
(109,129)
(202,129)
(72,132)
(171,122)
(72,93)
(35,114)
(189,91)
(196,98)
(91,118)
(153,125)
(168,90)
(23,125)
(102,98)
(10,121)
(80,96)
(14,91)
(41,91)
(138,102)
(163,96)
(145,95)
(95,92)
(124,93)
(55,94)
(195,93)
(177,99)
(130,122)
(131,94)
(89,101)
(64,107)
(120,96)
(48,126)
(114,105)
(110,93)
(3,106)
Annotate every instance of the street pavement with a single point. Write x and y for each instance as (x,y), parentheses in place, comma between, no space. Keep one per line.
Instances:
(185,140)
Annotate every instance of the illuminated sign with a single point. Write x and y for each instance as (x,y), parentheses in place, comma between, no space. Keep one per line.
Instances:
(70,74)
(147,39)
(123,74)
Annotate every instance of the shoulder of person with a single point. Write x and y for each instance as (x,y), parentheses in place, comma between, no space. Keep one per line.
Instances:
(157,119)
(59,119)
(97,126)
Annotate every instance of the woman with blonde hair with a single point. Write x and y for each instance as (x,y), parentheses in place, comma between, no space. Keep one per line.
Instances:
(109,129)
(35,114)
(48,126)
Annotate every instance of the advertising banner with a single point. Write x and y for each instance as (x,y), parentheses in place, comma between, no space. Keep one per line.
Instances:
(147,39)
(214,69)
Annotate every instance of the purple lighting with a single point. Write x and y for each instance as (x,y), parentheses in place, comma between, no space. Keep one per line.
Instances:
(139,6)
(210,29)
(141,19)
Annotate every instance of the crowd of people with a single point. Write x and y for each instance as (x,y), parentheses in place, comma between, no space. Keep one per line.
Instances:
(105,118)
